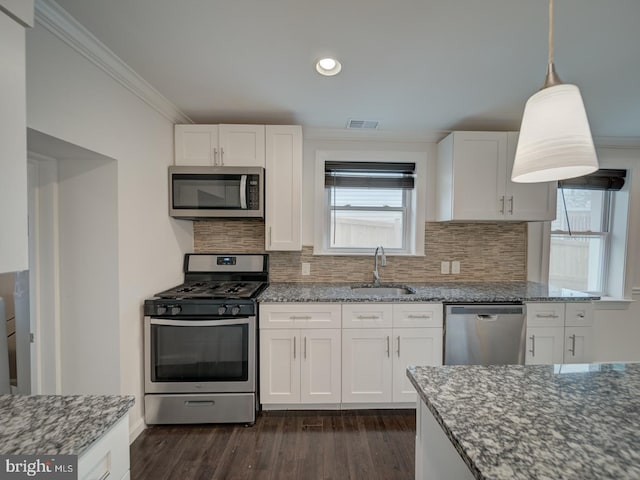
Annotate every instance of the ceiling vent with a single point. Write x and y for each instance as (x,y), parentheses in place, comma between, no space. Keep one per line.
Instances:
(362,124)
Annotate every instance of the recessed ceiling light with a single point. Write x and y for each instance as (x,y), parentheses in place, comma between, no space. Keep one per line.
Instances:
(328,67)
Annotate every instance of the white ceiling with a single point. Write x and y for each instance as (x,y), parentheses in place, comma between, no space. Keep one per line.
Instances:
(412,65)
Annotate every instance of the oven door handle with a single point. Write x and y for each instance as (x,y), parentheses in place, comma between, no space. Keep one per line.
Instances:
(199,323)
(243,192)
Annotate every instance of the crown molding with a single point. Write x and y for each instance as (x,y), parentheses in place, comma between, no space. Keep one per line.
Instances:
(55,19)
(322,133)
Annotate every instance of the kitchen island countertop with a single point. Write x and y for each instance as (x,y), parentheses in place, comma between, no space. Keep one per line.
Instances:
(57,424)
(538,421)
(446,292)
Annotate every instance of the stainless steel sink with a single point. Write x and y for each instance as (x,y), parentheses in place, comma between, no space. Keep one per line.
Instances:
(382,290)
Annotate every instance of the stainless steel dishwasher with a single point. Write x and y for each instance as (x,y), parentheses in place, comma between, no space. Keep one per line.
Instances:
(484,334)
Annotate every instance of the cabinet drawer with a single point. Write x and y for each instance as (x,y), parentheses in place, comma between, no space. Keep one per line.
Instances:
(417,315)
(545,314)
(579,314)
(363,315)
(300,315)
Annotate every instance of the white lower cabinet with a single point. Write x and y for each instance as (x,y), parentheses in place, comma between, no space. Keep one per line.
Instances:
(559,333)
(545,345)
(366,365)
(356,353)
(299,366)
(108,457)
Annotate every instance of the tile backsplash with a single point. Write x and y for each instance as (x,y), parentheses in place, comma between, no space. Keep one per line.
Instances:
(486,252)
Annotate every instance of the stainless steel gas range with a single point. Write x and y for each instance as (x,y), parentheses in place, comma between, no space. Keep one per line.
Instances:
(200,342)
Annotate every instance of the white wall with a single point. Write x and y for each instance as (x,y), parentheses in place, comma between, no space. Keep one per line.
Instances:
(13,147)
(69,98)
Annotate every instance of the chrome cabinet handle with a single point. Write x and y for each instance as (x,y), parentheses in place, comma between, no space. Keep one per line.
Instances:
(294,347)
(221,156)
(573,345)
(502,203)
(368,317)
(546,315)
(580,315)
(300,317)
(511,205)
(215,156)
(533,345)
(388,347)
(305,347)
(418,316)
(398,346)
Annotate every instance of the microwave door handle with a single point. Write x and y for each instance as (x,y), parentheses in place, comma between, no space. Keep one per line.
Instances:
(243,192)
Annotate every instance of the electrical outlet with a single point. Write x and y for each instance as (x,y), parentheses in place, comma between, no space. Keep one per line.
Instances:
(444,268)
(455,267)
(306,268)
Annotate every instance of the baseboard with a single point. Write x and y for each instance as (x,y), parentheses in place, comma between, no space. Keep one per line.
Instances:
(136,429)
(338,406)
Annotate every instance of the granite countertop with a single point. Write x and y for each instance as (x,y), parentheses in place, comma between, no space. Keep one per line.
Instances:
(449,292)
(57,424)
(538,421)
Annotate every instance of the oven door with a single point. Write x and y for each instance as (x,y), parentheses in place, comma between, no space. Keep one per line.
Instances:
(206,356)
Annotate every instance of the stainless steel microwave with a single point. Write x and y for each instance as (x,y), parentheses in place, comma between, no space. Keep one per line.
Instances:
(197,192)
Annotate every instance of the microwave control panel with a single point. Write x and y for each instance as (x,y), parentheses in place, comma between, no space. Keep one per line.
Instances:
(253,193)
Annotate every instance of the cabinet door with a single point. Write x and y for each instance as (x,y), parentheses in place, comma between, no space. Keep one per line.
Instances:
(283,187)
(527,201)
(479,161)
(366,365)
(413,346)
(279,366)
(544,345)
(242,145)
(320,367)
(196,144)
(578,345)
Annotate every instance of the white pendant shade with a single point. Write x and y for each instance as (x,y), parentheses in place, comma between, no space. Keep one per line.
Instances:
(555,140)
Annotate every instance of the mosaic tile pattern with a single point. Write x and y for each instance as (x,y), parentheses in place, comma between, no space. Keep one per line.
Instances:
(538,421)
(486,252)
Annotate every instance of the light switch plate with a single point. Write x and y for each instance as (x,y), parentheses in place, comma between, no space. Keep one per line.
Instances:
(306,268)
(444,268)
(455,267)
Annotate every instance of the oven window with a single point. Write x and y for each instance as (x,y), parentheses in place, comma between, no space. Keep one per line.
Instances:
(200,354)
(206,191)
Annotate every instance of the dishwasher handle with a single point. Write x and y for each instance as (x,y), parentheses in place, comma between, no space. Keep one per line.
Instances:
(485,310)
(483,317)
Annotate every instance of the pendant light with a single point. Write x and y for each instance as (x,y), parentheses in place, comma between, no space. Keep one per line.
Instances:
(555,140)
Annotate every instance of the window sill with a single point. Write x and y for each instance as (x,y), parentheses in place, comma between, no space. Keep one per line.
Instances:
(611,303)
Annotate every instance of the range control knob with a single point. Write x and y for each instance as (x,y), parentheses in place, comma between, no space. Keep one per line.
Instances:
(161,310)
(235,310)
(222,309)
(176,310)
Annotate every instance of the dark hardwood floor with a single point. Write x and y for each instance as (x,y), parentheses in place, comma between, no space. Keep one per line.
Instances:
(350,444)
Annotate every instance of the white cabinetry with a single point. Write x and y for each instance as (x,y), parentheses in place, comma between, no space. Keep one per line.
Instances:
(474,181)
(220,145)
(559,333)
(379,341)
(283,188)
(108,457)
(299,365)
(13,146)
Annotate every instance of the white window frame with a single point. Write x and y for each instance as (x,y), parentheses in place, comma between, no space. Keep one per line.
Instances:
(414,224)
(604,233)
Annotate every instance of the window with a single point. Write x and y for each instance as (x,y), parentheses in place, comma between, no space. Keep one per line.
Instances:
(581,234)
(365,204)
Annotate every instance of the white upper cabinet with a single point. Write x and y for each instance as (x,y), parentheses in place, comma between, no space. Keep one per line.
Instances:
(220,145)
(283,188)
(474,181)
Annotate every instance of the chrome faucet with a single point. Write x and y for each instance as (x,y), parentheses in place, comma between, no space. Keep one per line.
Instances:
(383,262)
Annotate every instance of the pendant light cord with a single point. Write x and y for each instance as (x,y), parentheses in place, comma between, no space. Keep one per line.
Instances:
(550,31)
(566,213)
